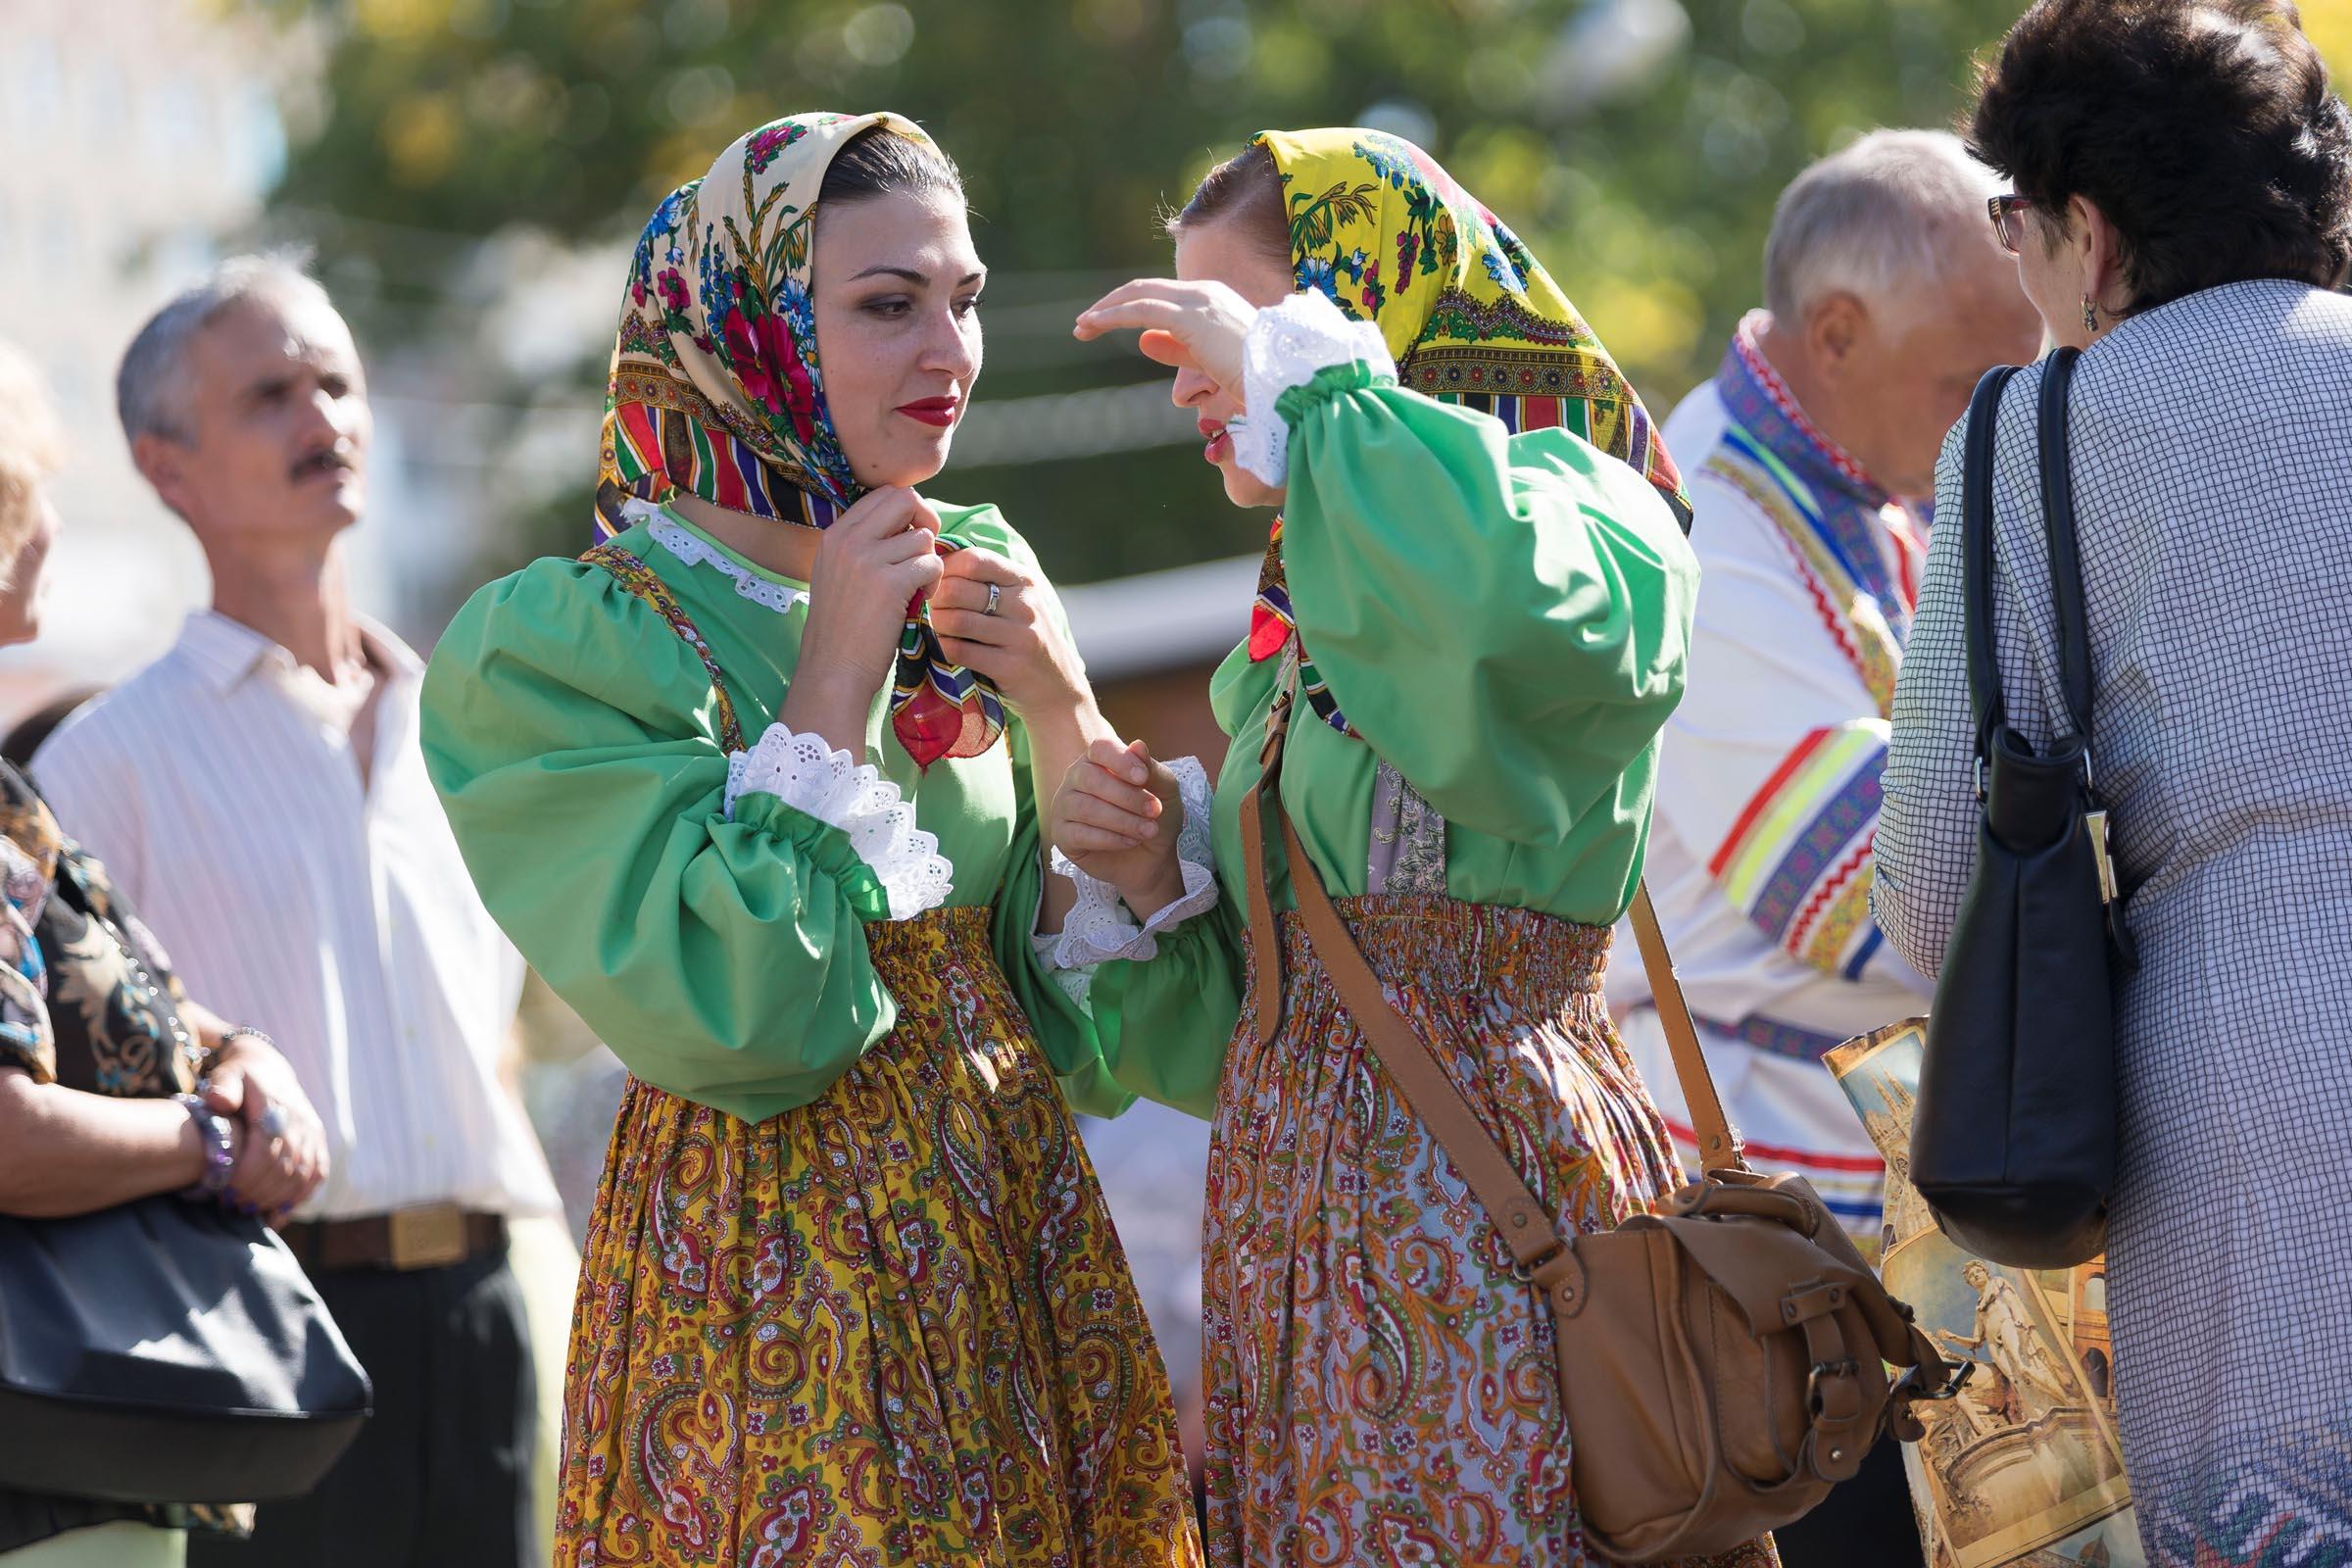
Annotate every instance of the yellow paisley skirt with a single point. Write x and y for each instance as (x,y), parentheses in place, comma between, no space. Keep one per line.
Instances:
(890,1327)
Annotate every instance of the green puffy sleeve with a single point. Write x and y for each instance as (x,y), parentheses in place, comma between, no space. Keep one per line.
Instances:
(1542,588)
(722,956)
(1066,1029)
(1165,1021)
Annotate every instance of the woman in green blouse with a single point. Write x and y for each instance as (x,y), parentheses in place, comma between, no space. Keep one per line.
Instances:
(751,784)
(1479,593)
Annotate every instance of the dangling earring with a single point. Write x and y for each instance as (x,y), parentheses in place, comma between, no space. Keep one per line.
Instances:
(2090,314)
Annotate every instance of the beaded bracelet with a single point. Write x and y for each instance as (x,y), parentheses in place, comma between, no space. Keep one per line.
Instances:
(219,1150)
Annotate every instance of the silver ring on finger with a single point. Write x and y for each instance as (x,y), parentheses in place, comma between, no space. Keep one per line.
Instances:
(989,608)
(274,1122)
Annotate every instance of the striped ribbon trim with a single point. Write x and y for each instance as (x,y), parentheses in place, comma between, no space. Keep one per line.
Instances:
(1797,858)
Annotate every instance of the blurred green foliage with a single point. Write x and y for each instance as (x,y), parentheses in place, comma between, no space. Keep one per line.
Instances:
(1637,145)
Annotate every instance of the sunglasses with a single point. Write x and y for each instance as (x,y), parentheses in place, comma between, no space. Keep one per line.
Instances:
(2008,213)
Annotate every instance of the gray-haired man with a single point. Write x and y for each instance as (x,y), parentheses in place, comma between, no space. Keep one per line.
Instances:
(259,794)
(1886,297)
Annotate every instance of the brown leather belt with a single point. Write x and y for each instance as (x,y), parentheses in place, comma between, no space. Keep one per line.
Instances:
(427,1235)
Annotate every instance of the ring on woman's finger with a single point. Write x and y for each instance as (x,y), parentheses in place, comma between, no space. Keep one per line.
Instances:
(274,1122)
(989,608)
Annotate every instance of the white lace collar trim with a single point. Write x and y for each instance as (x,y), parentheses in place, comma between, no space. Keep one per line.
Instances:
(692,549)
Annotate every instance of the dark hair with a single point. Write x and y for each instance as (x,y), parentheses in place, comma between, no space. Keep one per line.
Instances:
(880,161)
(1245,188)
(2203,130)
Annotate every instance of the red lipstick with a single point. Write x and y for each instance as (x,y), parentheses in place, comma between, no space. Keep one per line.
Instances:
(1220,444)
(938,413)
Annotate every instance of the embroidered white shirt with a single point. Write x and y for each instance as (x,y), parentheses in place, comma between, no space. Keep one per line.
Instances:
(338,916)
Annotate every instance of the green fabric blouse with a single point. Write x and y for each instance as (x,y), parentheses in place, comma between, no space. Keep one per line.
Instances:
(573,738)
(1504,618)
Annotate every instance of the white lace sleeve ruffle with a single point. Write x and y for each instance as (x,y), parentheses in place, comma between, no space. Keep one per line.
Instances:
(853,797)
(1101,928)
(1288,343)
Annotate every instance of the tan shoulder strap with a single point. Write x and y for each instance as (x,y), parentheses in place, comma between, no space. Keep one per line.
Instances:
(1718,1145)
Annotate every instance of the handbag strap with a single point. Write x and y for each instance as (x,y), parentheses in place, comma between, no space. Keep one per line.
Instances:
(2058,531)
(1426,1087)
(1975,532)
(2058,534)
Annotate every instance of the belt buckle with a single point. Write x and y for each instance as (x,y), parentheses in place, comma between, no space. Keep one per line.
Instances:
(428,1236)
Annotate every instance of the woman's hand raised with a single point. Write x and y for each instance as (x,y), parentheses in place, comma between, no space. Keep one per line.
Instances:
(1117,815)
(870,565)
(1201,325)
(1017,643)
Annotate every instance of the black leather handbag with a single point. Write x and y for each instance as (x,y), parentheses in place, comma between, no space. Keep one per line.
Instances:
(166,1352)
(2013,1139)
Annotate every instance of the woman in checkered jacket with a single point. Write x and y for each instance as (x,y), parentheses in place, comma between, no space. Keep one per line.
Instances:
(2184,214)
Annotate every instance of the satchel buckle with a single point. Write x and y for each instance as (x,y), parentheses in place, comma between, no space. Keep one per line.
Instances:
(427,1235)
(1826,1369)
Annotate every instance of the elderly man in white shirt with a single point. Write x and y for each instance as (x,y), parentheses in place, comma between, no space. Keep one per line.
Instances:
(1807,458)
(259,794)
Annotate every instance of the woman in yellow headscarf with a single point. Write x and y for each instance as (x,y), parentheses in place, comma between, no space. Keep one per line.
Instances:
(750,783)
(1479,589)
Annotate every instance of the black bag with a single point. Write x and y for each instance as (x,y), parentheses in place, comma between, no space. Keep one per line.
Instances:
(166,1352)
(2013,1139)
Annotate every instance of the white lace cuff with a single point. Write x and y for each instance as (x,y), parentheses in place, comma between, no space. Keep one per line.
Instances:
(853,797)
(1101,928)
(1288,343)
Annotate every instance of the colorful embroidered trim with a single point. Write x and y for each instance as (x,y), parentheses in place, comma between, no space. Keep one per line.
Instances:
(1849,612)
(1796,861)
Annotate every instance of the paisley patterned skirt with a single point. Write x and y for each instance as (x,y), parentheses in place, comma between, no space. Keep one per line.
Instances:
(1379,1390)
(890,1327)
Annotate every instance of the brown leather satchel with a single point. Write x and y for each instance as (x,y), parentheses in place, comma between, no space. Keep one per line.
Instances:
(1721,1360)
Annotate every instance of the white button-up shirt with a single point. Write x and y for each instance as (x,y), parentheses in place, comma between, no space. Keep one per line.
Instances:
(223,797)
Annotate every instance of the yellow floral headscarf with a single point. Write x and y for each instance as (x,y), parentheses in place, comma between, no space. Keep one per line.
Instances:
(1468,315)
(715,389)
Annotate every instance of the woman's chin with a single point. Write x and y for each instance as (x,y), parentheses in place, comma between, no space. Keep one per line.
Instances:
(1246,489)
(908,466)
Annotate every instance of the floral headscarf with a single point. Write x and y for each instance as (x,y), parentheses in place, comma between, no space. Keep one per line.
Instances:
(715,389)
(1469,316)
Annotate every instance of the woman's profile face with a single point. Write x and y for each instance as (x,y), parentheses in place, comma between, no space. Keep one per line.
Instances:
(895,285)
(1222,251)
(23,578)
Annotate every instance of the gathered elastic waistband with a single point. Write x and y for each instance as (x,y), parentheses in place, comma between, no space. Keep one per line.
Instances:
(1417,938)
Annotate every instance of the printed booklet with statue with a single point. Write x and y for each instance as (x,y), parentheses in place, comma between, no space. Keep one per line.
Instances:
(2022,1468)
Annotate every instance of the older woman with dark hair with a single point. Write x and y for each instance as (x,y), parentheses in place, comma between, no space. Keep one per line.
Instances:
(2183,212)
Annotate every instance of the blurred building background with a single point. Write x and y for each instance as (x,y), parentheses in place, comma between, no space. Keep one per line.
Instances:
(470,174)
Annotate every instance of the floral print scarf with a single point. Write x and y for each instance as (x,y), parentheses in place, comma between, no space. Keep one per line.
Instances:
(1469,316)
(715,389)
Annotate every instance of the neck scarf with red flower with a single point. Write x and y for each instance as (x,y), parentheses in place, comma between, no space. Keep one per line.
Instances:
(715,389)
(1469,316)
